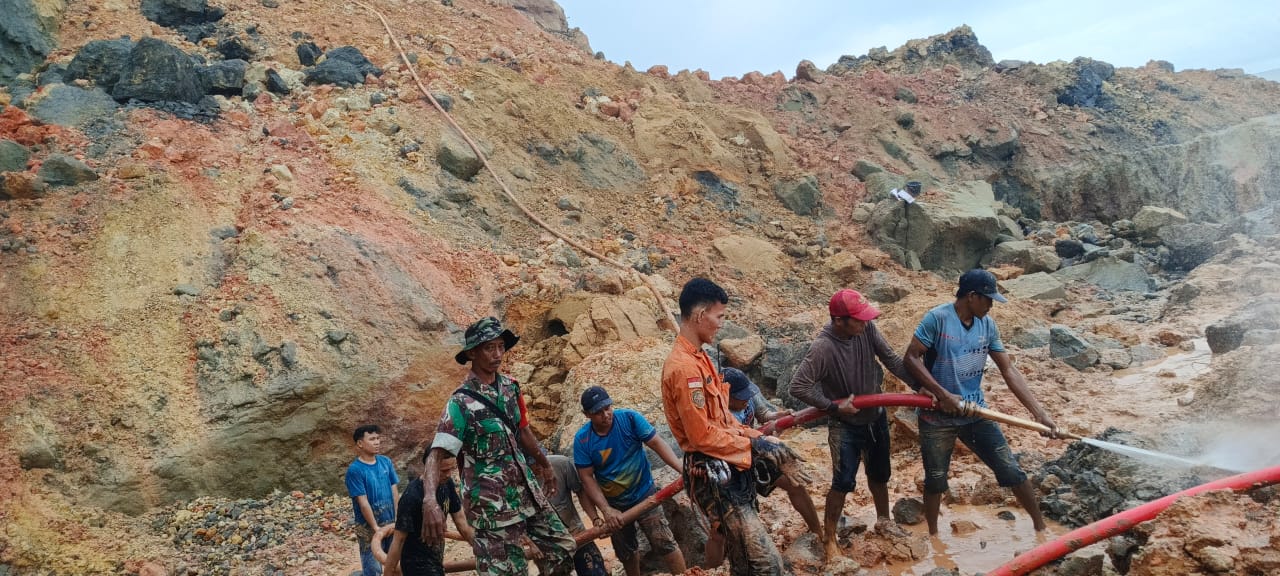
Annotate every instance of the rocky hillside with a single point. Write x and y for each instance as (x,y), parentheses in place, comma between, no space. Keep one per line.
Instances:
(231,232)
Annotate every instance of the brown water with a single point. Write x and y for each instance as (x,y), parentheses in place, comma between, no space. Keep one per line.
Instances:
(994,542)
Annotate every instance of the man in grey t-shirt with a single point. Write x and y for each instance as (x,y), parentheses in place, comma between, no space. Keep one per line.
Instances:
(587,561)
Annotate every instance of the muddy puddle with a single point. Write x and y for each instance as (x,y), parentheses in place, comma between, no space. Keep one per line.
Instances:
(993,542)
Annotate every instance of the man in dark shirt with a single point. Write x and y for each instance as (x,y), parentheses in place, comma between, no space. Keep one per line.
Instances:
(840,364)
(408,554)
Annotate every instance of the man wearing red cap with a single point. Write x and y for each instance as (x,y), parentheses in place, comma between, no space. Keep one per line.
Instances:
(841,364)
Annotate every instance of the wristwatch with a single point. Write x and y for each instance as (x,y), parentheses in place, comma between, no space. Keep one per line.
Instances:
(833,408)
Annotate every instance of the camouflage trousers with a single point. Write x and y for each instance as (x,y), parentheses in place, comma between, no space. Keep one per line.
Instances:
(730,508)
(499,552)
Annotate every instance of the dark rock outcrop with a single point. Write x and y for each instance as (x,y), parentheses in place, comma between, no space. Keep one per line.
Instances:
(1087,484)
(1229,333)
(308,53)
(100,61)
(225,77)
(1213,178)
(195,20)
(13,156)
(60,170)
(72,106)
(1086,87)
(334,71)
(958,47)
(26,38)
(353,56)
(800,195)
(157,72)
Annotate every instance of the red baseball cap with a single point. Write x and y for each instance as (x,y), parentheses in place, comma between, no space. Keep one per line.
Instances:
(851,304)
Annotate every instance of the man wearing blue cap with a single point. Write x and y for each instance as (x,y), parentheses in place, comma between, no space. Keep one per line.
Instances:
(947,356)
(609,453)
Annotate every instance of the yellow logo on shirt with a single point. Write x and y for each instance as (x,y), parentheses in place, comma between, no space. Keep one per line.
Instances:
(604,455)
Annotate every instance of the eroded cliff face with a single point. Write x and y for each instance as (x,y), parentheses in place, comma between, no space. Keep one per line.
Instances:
(1212,177)
(203,299)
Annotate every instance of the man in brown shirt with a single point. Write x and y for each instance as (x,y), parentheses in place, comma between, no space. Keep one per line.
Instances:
(841,364)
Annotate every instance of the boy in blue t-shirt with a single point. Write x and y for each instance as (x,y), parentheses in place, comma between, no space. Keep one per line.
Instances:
(609,453)
(947,356)
(371,482)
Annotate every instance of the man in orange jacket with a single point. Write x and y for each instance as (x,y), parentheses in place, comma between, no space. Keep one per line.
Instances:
(723,458)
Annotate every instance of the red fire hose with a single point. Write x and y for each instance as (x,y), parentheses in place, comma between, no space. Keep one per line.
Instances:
(806,415)
(1122,522)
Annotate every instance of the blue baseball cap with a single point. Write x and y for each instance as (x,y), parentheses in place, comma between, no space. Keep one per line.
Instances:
(595,399)
(980,281)
(740,386)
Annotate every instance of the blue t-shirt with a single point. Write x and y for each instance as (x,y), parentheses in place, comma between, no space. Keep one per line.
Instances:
(957,357)
(621,468)
(373,481)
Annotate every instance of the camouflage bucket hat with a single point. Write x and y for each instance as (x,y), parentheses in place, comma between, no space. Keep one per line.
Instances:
(483,331)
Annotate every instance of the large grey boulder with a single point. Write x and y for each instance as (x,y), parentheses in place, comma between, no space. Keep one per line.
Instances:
(1229,333)
(800,195)
(1027,337)
(26,36)
(225,77)
(778,365)
(101,62)
(72,106)
(13,156)
(1024,254)
(62,170)
(158,72)
(457,158)
(1189,245)
(175,13)
(1071,348)
(885,288)
(951,230)
(1108,273)
(1150,219)
(1038,286)
(1085,89)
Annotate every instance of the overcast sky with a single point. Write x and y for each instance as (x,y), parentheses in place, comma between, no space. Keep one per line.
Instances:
(732,37)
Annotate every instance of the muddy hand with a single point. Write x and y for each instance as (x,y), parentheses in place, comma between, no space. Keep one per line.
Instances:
(1049,423)
(949,403)
(432,522)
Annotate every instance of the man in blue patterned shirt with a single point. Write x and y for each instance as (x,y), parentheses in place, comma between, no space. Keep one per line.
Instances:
(947,356)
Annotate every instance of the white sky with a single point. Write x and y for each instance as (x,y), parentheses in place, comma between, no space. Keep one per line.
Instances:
(732,37)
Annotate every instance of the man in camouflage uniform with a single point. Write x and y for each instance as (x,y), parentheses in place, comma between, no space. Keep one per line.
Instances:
(486,426)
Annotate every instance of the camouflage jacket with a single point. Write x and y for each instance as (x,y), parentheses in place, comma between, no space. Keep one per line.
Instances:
(498,485)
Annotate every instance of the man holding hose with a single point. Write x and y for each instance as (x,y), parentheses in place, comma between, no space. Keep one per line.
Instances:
(947,356)
(842,362)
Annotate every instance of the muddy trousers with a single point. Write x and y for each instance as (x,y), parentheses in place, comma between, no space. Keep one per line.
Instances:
(748,546)
(730,509)
(499,552)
